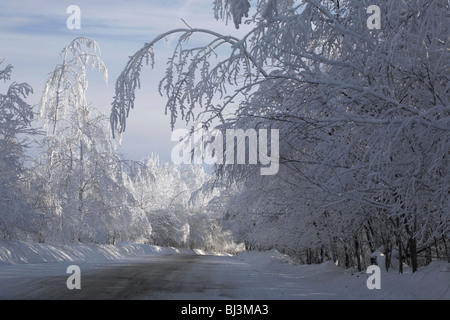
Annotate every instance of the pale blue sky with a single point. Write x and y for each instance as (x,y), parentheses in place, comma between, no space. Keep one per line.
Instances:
(33,33)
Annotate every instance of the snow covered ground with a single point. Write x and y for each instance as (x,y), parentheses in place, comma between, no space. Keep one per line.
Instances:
(249,275)
(431,282)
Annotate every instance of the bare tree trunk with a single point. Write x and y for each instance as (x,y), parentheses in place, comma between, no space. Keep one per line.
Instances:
(81,191)
(412,246)
(400,251)
(357,254)
(447,252)
(369,235)
(347,257)
(388,256)
(413,253)
(437,249)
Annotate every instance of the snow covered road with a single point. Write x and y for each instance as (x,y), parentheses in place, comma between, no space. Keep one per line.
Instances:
(130,271)
(161,277)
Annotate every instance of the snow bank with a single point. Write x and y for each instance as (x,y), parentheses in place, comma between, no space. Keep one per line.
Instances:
(326,274)
(201,252)
(428,283)
(265,259)
(19,252)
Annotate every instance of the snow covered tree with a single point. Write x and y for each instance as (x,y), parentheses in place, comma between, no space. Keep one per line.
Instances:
(363,116)
(176,202)
(17,219)
(80,172)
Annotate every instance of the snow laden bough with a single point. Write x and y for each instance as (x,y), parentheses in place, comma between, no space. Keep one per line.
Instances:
(363,116)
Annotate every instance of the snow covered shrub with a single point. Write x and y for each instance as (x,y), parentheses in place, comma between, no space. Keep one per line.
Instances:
(17,219)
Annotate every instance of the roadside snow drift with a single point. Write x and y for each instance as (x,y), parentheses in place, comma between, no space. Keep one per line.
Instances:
(18,252)
(428,283)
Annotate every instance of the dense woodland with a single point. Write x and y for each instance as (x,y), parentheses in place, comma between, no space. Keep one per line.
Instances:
(364,122)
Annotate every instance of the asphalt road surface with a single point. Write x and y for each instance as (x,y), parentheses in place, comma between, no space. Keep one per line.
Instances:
(165,277)
(158,278)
